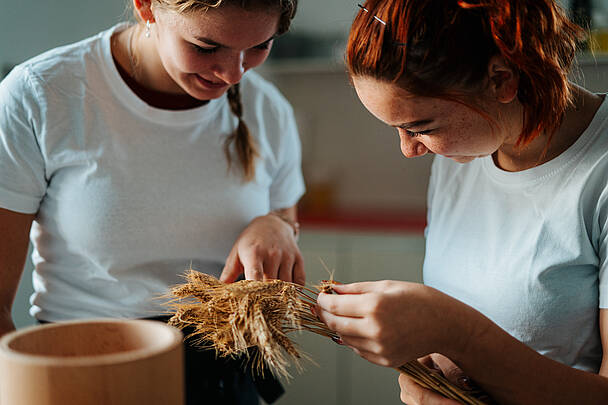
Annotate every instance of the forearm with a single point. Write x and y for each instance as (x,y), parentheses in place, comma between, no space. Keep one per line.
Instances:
(512,373)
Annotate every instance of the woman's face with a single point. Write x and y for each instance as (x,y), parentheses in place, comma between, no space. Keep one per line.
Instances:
(205,53)
(432,125)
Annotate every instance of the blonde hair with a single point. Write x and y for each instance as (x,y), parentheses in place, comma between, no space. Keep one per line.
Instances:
(244,144)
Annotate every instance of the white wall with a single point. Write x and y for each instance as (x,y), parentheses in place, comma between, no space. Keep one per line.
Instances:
(29,27)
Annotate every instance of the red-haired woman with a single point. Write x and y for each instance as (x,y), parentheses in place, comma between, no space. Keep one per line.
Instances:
(515,269)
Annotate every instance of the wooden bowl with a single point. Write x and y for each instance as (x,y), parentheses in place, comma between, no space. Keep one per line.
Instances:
(93,362)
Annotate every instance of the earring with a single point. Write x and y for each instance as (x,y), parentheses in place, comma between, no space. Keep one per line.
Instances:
(147,31)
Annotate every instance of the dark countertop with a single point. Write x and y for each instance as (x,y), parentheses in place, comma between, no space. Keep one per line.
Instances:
(377,220)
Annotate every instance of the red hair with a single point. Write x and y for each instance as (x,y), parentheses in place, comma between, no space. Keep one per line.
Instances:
(442,48)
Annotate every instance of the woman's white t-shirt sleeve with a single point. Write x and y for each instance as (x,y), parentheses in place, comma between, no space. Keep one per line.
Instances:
(20,153)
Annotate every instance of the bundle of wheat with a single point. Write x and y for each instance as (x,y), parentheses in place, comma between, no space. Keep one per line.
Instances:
(234,317)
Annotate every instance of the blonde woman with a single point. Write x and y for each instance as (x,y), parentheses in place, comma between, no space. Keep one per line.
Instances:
(130,155)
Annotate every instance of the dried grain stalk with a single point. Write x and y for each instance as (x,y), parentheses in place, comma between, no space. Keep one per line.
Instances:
(231,318)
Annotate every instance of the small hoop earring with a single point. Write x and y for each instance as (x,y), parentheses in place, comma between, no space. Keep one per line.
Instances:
(147,31)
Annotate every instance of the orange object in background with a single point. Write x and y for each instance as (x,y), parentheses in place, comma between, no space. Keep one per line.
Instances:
(599,40)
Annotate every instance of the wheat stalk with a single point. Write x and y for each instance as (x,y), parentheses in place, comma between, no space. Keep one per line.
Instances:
(231,318)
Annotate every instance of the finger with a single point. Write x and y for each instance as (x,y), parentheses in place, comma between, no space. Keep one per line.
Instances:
(360,343)
(451,371)
(253,264)
(286,269)
(299,276)
(355,305)
(404,395)
(428,362)
(232,268)
(413,393)
(272,264)
(356,288)
(343,325)
(372,357)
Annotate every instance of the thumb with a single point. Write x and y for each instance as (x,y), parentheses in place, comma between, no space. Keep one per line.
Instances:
(452,372)
(232,269)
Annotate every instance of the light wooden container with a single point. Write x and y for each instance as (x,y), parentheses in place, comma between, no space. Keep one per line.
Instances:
(94,362)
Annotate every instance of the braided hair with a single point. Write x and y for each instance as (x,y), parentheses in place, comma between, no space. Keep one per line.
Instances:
(244,144)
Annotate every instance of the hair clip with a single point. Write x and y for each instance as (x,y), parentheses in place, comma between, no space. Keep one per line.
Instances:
(375,17)
(381,22)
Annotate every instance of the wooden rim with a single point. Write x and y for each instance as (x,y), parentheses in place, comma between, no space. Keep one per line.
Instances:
(167,339)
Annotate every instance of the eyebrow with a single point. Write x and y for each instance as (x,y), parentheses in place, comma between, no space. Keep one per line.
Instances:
(413,124)
(209,41)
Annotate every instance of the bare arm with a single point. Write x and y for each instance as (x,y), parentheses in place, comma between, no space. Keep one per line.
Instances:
(392,322)
(515,374)
(13,249)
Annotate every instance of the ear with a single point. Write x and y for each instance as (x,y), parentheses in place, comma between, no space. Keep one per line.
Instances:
(143,8)
(504,81)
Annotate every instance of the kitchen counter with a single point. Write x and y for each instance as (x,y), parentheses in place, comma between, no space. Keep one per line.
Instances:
(365,220)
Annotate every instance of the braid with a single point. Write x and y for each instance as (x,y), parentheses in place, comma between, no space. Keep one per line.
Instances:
(246,148)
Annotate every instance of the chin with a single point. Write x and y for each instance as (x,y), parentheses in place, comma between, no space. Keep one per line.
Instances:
(463,159)
(207,95)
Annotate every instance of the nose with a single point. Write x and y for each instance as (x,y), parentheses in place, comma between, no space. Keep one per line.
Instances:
(411,146)
(232,68)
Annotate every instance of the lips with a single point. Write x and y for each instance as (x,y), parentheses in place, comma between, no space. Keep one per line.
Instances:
(209,84)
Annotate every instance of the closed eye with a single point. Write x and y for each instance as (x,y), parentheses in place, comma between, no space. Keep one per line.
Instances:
(414,134)
(203,50)
(209,50)
(264,45)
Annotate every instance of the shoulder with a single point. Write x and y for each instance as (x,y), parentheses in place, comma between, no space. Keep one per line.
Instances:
(68,65)
(259,92)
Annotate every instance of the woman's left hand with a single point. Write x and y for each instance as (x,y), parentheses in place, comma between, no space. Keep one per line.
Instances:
(265,250)
(413,393)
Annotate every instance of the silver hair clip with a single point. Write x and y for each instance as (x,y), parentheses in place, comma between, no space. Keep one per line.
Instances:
(381,22)
(375,17)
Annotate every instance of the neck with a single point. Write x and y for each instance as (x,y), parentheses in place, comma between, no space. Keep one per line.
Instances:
(140,67)
(544,148)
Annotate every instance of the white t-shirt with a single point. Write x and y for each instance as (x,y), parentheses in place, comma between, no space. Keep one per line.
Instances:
(528,249)
(127,196)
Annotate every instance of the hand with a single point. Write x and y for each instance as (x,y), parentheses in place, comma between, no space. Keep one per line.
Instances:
(265,250)
(391,322)
(413,394)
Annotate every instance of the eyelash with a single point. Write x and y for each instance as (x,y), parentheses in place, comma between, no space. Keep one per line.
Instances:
(414,134)
(200,49)
(208,51)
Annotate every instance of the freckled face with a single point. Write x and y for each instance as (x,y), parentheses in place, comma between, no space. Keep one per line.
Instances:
(204,53)
(430,125)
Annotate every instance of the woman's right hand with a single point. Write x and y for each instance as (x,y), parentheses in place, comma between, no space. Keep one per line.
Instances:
(392,322)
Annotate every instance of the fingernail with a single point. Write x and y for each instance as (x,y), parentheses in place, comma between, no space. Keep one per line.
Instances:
(312,310)
(466,383)
(337,340)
